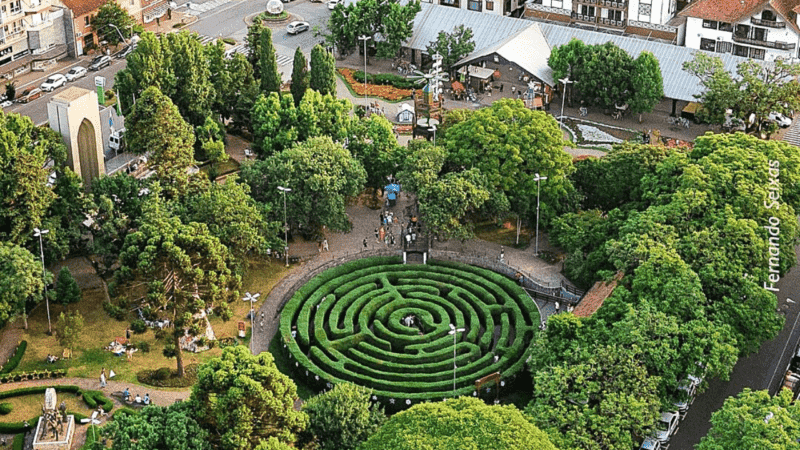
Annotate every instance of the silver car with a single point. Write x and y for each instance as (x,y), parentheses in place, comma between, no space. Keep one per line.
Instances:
(75,73)
(297,27)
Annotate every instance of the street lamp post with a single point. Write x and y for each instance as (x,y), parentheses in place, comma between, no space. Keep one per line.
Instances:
(538,178)
(285,223)
(433,127)
(252,298)
(454,331)
(365,38)
(38,233)
(565,81)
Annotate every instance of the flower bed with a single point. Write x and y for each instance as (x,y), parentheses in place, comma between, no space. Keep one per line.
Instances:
(390,93)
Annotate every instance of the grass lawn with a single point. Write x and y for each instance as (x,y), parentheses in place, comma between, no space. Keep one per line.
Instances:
(28,406)
(99,330)
(503,235)
(229,166)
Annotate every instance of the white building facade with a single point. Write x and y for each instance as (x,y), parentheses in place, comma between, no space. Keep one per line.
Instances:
(763,30)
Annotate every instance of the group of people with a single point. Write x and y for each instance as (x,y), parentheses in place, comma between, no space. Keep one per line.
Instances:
(51,358)
(137,399)
(322,246)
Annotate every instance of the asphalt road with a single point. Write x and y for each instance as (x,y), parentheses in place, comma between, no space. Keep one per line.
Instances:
(228,20)
(762,370)
(37,109)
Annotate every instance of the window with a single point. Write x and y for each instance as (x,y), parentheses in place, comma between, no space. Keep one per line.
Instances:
(740,50)
(724,26)
(708,44)
(757,53)
(768,15)
(86,21)
(474,5)
(724,47)
(710,24)
(490,6)
(759,34)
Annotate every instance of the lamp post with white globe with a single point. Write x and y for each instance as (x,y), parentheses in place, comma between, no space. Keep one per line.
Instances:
(454,331)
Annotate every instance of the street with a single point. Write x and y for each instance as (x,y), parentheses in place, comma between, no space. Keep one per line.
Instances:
(762,370)
(37,109)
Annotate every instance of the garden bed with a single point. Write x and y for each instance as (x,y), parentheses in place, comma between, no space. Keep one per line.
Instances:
(385,92)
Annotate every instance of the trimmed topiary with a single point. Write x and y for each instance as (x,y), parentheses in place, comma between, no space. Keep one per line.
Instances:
(13,362)
(350,323)
(5,408)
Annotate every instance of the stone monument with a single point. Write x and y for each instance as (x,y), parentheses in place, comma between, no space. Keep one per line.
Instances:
(55,429)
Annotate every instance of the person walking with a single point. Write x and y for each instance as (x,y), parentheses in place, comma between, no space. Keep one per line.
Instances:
(365,243)
(377,235)
(325,246)
(103,378)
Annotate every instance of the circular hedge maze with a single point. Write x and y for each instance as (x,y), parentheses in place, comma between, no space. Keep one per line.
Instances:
(381,324)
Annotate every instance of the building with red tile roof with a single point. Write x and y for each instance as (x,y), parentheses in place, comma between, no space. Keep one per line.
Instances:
(595,297)
(757,29)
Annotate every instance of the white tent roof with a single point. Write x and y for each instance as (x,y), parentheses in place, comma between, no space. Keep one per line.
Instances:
(526,48)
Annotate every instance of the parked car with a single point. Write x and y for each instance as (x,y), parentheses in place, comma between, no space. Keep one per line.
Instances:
(332,4)
(688,388)
(29,94)
(780,119)
(650,444)
(297,27)
(667,426)
(126,51)
(75,73)
(6,103)
(53,81)
(100,62)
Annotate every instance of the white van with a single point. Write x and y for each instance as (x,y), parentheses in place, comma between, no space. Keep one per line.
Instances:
(116,141)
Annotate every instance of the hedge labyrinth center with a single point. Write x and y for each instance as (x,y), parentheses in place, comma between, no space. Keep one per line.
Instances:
(384,325)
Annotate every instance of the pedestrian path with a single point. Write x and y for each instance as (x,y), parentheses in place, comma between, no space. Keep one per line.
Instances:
(283,60)
(157,397)
(196,9)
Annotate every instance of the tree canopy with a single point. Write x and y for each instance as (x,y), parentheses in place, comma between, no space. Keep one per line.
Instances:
(186,268)
(343,418)
(156,126)
(113,22)
(388,18)
(243,401)
(757,89)
(321,174)
(270,77)
(463,423)
(172,427)
(67,290)
(452,46)
(299,76)
(754,419)
(322,77)
(20,280)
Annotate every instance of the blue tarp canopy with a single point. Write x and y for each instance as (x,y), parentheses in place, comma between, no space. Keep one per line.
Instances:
(392,190)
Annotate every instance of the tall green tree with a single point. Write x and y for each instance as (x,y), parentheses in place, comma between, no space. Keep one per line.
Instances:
(25,195)
(322,175)
(176,64)
(375,145)
(270,77)
(67,290)
(462,423)
(232,216)
(299,76)
(756,89)
(111,21)
(647,83)
(452,46)
(254,47)
(68,328)
(342,418)
(154,427)
(388,18)
(598,400)
(243,401)
(20,281)
(754,419)
(509,144)
(322,77)
(156,126)
(239,101)
(117,204)
(445,203)
(604,78)
(186,268)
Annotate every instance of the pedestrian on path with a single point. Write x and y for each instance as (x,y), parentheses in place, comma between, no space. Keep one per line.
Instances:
(103,378)
(381,235)
(377,235)
(325,246)
(365,243)
(558,307)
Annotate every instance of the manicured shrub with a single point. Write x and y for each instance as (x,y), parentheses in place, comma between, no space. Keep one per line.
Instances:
(138,326)
(13,362)
(348,325)
(5,408)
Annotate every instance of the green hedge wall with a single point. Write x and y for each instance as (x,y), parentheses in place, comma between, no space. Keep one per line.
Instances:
(13,362)
(347,324)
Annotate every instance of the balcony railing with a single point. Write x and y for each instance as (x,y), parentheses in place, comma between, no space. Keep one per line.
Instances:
(770,44)
(613,4)
(612,22)
(767,23)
